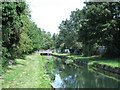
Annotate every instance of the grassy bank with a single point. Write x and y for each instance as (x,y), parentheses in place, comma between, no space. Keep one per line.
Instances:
(111,62)
(27,73)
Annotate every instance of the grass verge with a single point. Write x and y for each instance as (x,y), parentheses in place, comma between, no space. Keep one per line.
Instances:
(27,73)
(110,62)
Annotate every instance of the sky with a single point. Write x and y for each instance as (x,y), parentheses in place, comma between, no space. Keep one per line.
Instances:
(48,14)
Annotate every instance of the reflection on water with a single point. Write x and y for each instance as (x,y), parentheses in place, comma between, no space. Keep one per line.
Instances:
(58,81)
(68,76)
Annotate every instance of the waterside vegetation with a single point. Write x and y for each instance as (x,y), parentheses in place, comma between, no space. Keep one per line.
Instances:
(98,59)
(97,24)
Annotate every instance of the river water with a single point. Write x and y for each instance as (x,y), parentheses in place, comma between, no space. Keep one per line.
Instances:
(70,76)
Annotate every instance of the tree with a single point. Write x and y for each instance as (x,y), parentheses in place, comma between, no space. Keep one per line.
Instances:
(20,35)
(102,31)
(11,25)
(96,24)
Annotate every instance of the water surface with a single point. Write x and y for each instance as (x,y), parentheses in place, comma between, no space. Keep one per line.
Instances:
(70,76)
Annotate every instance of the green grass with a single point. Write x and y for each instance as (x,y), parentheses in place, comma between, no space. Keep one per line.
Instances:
(64,54)
(27,73)
(69,60)
(113,63)
(97,59)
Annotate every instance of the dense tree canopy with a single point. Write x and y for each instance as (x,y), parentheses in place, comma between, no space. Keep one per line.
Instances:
(97,24)
(20,35)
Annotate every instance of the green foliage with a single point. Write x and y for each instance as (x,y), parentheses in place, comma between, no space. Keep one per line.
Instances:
(20,35)
(25,44)
(68,35)
(101,26)
(97,23)
(47,42)
(11,26)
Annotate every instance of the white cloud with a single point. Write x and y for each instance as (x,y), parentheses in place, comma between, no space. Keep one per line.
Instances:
(48,14)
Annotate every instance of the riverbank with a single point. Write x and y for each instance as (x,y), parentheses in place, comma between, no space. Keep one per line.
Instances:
(27,73)
(72,75)
(111,65)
